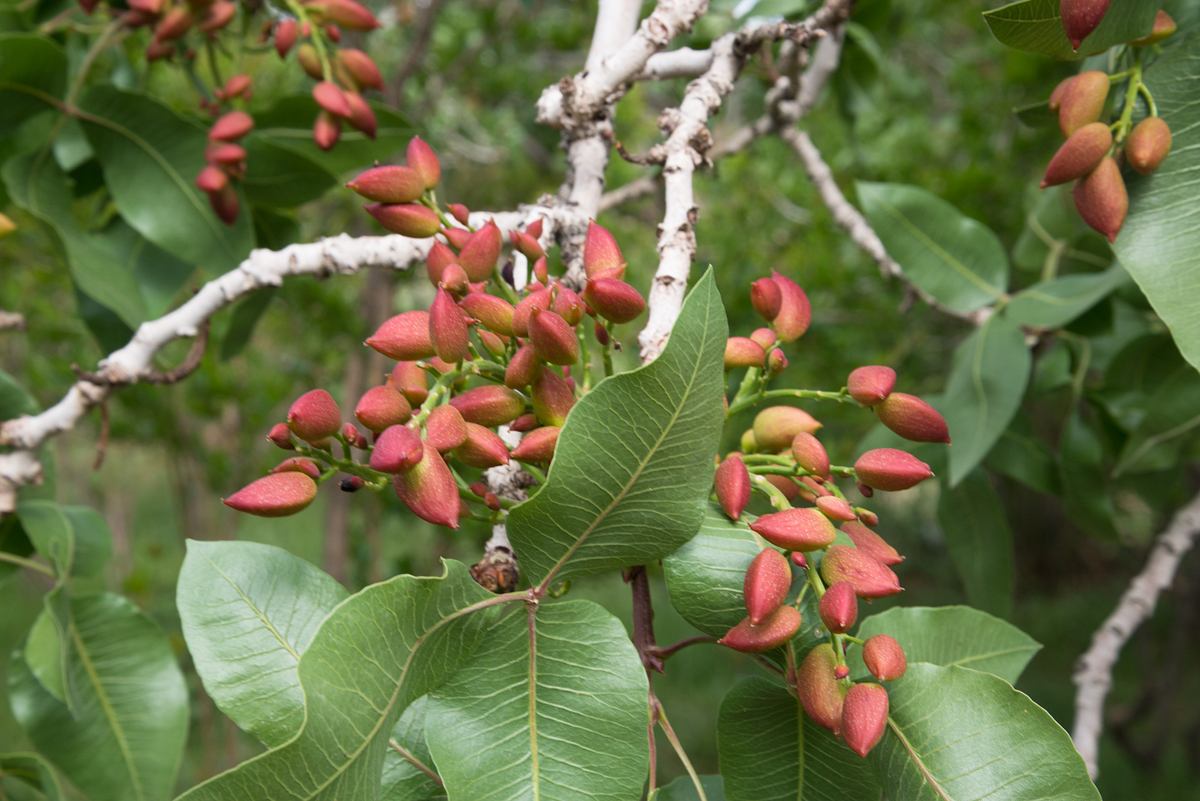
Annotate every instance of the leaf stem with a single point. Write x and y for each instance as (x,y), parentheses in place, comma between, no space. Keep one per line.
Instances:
(411,758)
(678,746)
(21,561)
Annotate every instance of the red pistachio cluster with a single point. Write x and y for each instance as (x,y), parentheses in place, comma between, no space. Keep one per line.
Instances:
(812,527)
(482,358)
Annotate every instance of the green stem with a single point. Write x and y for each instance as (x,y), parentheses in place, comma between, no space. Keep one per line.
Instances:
(777,498)
(21,561)
(678,746)
(1131,93)
(742,403)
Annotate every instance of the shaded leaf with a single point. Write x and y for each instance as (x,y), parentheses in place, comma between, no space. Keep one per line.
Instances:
(34,771)
(1054,303)
(402,779)
(1036,26)
(1023,457)
(245,318)
(1172,416)
(980,542)
(683,789)
(33,76)
(279,177)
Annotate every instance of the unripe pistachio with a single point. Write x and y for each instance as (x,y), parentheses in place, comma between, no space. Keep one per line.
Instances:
(776,361)
(765,337)
(349,14)
(448,328)
(839,607)
(766,297)
(237,85)
(541,271)
(601,255)
(1164,26)
(870,578)
(481,251)
(285,36)
(457,237)
(526,245)
(810,454)
(225,204)
(354,437)
(872,544)
(1102,200)
(211,179)
(275,495)
(421,158)
(149,7)
(789,488)
(732,485)
(913,418)
(1079,155)
(779,627)
(361,68)
(460,212)
(391,183)
(537,299)
(1083,100)
(743,352)
(553,337)
(891,470)
(227,155)
(1080,18)
(799,560)
(218,15)
(174,24)
(490,405)
(231,126)
(818,689)
(522,368)
(567,304)
(381,407)
(552,396)
(429,489)
(795,312)
(1056,95)
(309,61)
(747,443)
(864,717)
(314,416)
(776,426)
(796,529)
(867,517)
(281,437)
(397,449)
(411,381)
(766,584)
(884,657)
(404,337)
(524,423)
(406,219)
(835,508)
(1148,145)
(494,344)
(614,300)
(840,672)
(538,445)
(496,314)
(333,32)
(438,258)
(445,428)
(298,464)
(872,384)
(482,448)
(815,486)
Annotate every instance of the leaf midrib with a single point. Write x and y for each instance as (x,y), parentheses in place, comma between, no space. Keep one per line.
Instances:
(926,774)
(259,613)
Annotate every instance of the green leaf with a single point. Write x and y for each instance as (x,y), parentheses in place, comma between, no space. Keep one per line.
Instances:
(1160,242)
(76,539)
(151,157)
(245,318)
(33,76)
(289,124)
(683,789)
(248,612)
(1036,27)
(126,741)
(771,751)
(279,177)
(956,734)
(375,654)
(987,380)
(953,258)
(980,542)
(403,780)
(951,636)
(1084,476)
(1023,457)
(634,463)
(33,771)
(567,689)
(1171,415)
(1054,303)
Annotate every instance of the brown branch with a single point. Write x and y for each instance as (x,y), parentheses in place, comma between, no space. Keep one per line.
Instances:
(643,618)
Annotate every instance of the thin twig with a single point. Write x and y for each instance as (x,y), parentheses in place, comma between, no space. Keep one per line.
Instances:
(673,739)
(21,561)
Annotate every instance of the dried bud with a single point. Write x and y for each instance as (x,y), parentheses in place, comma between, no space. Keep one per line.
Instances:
(448,328)
(773,632)
(397,449)
(835,508)
(404,337)
(411,381)
(776,426)
(767,298)
(891,470)
(776,362)
(839,607)
(1148,145)
(614,300)
(482,448)
(743,352)
(314,416)
(211,179)
(601,255)
(1102,200)
(796,529)
(489,405)
(765,337)
(481,251)
(864,717)
(406,219)
(231,127)
(884,657)
(388,184)
(871,385)
(840,672)
(285,36)
(1079,155)
(354,437)
(429,489)
(766,585)
(913,418)
(361,68)
(553,337)
(298,464)
(281,437)
(818,688)
(870,578)
(276,495)
(732,485)
(553,396)
(537,299)
(421,158)
(310,62)
(524,423)
(538,445)
(1164,26)
(460,212)
(1080,18)
(795,312)
(810,454)
(349,14)
(1082,101)
(872,544)
(381,407)
(351,484)
(445,428)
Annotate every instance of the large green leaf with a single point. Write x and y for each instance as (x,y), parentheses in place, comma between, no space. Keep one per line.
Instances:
(956,734)
(248,612)
(151,157)
(983,392)
(953,258)
(279,176)
(34,771)
(980,542)
(374,655)
(1054,303)
(1035,26)
(565,687)
(951,635)
(126,739)
(684,789)
(33,75)
(407,763)
(1160,242)
(634,463)
(771,751)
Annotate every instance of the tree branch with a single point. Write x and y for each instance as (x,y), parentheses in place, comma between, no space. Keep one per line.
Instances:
(1093,675)
(11,321)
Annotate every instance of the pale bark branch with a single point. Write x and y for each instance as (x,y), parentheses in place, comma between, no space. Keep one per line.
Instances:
(1093,674)
(11,321)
